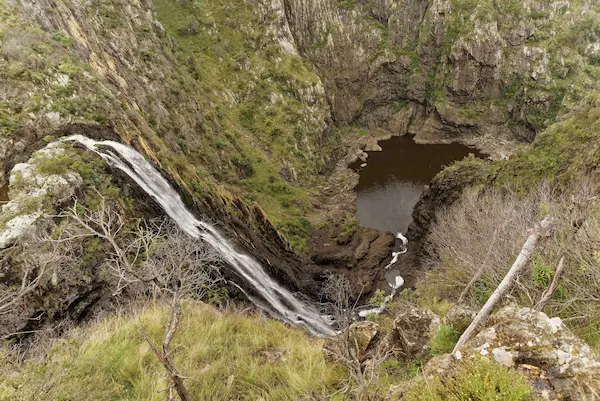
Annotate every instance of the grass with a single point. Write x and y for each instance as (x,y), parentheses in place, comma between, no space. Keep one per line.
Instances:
(443,340)
(478,379)
(226,355)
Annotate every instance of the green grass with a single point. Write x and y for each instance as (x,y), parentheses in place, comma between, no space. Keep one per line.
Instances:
(225,354)
(443,340)
(479,379)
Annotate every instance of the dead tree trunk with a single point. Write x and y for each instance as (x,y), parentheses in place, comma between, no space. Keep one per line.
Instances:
(164,353)
(518,265)
(553,286)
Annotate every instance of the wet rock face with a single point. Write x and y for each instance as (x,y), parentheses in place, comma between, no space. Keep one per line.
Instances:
(559,365)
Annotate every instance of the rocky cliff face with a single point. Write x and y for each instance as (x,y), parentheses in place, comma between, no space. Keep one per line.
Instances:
(466,69)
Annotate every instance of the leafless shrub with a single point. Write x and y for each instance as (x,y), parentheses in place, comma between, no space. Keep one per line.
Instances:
(476,240)
(30,263)
(363,365)
(338,291)
(160,257)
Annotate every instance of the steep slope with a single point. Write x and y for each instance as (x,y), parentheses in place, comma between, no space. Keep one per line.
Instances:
(467,69)
(246,106)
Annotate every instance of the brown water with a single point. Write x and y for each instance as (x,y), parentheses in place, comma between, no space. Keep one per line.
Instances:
(394,179)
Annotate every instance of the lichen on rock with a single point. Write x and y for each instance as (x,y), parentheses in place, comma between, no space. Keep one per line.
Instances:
(37,188)
(559,365)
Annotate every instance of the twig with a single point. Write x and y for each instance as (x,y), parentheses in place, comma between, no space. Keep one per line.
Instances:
(547,295)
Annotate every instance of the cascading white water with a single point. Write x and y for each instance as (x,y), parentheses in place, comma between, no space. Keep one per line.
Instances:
(276,299)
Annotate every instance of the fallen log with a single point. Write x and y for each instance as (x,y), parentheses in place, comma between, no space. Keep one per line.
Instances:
(521,261)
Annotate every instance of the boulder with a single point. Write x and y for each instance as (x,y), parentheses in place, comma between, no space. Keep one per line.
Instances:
(559,365)
(459,317)
(359,338)
(411,332)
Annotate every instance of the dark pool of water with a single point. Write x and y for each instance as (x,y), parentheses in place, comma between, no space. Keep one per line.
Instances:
(393,180)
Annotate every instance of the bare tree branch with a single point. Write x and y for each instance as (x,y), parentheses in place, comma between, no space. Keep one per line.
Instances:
(521,261)
(547,295)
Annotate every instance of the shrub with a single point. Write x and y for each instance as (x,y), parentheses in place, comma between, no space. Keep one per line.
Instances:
(296,231)
(481,235)
(444,340)
(479,379)
(244,166)
(378,298)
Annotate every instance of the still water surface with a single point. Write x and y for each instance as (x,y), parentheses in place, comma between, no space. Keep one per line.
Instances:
(393,180)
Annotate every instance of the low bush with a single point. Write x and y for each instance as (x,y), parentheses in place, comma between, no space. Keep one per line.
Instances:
(444,340)
(479,379)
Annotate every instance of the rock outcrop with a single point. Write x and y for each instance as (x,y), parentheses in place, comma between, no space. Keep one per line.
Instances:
(459,317)
(412,330)
(360,338)
(352,251)
(558,365)
(34,190)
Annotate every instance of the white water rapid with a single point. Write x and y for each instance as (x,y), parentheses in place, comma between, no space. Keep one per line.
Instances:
(276,299)
(394,279)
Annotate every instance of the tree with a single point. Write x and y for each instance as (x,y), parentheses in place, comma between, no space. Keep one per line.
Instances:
(345,348)
(159,257)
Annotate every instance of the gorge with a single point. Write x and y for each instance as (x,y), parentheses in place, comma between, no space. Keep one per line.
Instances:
(265,292)
(305,140)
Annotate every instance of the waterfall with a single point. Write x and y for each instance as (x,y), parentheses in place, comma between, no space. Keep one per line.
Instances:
(274,298)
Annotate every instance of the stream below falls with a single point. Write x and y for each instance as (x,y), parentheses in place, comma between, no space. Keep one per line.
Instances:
(393,179)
